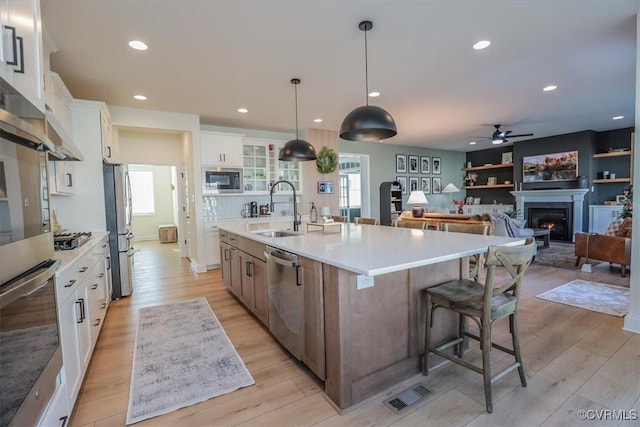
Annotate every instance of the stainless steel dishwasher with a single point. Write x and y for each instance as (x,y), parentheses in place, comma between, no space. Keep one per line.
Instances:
(283,287)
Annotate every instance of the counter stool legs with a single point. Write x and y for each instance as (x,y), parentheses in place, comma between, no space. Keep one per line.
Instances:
(427,335)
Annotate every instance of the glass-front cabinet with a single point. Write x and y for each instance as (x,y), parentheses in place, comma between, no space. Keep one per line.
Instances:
(289,171)
(254,155)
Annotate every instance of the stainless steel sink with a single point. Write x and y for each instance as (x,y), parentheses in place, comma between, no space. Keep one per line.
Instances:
(275,233)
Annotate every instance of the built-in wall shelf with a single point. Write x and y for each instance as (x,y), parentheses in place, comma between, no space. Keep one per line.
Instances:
(612,154)
(611,181)
(482,168)
(482,187)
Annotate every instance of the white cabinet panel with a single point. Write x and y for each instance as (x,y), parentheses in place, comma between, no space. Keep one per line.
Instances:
(62,178)
(600,217)
(221,149)
(57,413)
(21,48)
(212,247)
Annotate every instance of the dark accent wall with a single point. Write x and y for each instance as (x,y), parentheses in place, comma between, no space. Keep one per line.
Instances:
(619,138)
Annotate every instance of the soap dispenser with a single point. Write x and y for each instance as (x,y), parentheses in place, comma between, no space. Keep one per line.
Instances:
(313,215)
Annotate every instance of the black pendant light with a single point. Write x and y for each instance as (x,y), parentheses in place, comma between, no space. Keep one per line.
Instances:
(297,150)
(368,122)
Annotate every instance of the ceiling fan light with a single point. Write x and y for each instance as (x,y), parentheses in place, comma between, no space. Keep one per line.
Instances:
(368,123)
(497,141)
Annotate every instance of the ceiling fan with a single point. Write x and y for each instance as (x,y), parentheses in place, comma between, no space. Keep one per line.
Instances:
(499,136)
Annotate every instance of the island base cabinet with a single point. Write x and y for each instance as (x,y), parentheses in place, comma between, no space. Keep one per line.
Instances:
(374,336)
(57,414)
(230,268)
(312,316)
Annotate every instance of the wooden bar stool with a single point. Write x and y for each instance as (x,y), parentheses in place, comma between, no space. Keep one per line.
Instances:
(419,225)
(484,304)
(476,262)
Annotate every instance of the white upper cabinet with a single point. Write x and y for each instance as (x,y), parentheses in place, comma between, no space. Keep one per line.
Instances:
(221,149)
(21,57)
(58,101)
(110,152)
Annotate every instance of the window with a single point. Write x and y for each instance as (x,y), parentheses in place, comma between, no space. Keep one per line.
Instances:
(142,200)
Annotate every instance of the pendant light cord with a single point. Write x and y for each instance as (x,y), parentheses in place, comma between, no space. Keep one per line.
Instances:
(296,97)
(366,69)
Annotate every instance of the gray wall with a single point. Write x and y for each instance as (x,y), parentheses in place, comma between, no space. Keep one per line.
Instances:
(383,168)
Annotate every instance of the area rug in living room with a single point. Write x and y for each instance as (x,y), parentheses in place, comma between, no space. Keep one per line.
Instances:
(558,254)
(182,356)
(600,297)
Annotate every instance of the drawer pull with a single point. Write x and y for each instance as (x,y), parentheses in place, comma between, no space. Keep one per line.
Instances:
(70,284)
(63,421)
(97,322)
(83,269)
(103,305)
(100,276)
(94,287)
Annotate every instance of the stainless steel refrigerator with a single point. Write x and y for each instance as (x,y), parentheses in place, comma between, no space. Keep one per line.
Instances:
(117,197)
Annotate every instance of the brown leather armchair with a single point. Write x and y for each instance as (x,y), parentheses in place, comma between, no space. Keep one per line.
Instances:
(613,249)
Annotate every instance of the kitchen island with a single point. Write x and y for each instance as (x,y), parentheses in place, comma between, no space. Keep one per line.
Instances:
(361,310)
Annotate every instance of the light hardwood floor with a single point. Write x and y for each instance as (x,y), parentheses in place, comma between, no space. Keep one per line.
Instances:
(574,359)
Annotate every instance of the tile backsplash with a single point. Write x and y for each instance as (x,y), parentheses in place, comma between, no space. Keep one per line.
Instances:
(230,207)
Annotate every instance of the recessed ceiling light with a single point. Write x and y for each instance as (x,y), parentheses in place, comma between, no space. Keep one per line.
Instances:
(549,88)
(472,143)
(140,97)
(242,110)
(618,117)
(317,120)
(374,94)
(138,45)
(482,44)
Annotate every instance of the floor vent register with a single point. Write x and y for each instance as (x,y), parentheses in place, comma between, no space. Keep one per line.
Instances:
(407,398)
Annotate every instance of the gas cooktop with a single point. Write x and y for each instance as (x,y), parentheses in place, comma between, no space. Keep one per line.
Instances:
(66,240)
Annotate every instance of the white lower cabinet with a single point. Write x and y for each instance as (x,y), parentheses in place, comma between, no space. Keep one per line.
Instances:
(601,216)
(57,414)
(212,247)
(82,294)
(486,209)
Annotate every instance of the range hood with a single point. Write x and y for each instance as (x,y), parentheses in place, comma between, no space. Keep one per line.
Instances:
(20,121)
(64,148)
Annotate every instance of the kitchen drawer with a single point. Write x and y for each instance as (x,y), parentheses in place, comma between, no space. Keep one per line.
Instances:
(67,282)
(251,247)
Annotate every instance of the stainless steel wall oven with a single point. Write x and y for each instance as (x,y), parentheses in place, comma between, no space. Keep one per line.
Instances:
(30,355)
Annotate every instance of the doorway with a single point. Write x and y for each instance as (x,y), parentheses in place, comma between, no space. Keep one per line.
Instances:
(355,197)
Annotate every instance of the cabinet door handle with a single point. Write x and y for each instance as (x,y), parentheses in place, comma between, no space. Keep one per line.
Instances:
(108,152)
(83,269)
(94,287)
(226,254)
(70,284)
(249,268)
(80,302)
(21,48)
(108,263)
(14,45)
(63,421)
(69,179)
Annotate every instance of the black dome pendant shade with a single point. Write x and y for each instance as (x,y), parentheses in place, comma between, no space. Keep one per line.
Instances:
(367,122)
(297,150)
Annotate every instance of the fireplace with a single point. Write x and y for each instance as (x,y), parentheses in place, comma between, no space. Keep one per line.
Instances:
(572,198)
(556,217)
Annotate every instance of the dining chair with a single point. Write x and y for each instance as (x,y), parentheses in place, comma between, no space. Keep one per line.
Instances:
(476,262)
(420,225)
(338,218)
(370,221)
(484,304)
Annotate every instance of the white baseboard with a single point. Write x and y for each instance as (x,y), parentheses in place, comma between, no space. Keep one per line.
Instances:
(632,324)
(198,268)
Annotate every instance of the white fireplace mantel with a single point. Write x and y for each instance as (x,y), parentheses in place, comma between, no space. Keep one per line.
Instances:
(571,195)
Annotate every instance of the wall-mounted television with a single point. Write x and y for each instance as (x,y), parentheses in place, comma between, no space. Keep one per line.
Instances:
(550,167)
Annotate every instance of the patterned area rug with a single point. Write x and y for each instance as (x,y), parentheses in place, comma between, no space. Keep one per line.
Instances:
(561,255)
(600,297)
(181,356)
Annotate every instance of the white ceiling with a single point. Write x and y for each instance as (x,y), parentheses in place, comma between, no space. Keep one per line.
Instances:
(210,57)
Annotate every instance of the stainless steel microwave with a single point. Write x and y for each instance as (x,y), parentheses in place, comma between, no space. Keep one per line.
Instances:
(222,180)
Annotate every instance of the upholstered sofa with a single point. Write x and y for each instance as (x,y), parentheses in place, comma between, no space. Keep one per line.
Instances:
(613,247)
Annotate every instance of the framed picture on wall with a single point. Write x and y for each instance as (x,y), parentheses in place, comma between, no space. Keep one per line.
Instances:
(436,163)
(425,164)
(401,163)
(403,183)
(413,164)
(413,183)
(436,186)
(426,185)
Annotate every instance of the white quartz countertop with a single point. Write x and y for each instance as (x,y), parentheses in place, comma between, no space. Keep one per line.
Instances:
(67,258)
(370,249)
